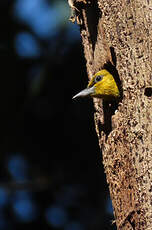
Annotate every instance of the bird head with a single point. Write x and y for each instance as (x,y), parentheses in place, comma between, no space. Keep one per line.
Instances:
(101,85)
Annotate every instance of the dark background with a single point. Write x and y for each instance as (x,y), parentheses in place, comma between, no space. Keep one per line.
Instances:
(51,173)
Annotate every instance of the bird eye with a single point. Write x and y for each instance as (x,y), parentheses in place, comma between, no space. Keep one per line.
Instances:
(98,78)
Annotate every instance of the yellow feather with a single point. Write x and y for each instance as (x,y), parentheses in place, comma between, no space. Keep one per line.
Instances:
(106,88)
(102,85)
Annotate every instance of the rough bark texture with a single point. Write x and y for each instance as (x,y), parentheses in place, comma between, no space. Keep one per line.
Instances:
(120,32)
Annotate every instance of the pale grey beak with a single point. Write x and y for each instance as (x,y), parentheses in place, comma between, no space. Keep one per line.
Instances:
(84,92)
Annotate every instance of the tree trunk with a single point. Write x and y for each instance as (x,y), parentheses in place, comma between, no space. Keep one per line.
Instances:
(117,34)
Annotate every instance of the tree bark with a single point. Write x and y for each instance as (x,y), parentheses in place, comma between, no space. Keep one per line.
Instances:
(117,34)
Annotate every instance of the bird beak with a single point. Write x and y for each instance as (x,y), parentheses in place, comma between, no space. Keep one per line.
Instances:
(85,92)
